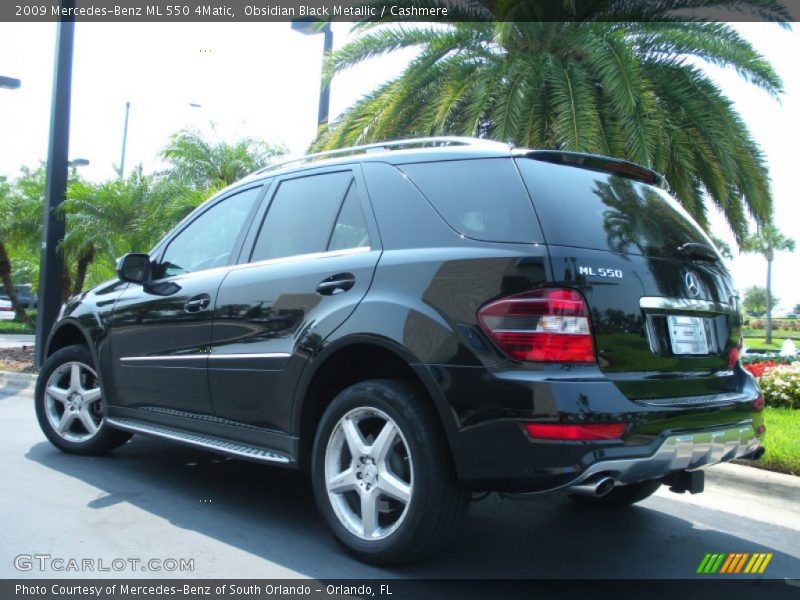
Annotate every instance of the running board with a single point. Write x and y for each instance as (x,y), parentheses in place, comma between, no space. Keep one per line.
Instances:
(200,440)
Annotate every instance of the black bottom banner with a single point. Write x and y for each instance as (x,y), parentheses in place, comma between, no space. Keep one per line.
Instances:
(396,589)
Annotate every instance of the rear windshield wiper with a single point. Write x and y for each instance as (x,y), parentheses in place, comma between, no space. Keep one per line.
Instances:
(697,251)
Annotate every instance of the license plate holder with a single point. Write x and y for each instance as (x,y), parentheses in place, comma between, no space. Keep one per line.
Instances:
(687,335)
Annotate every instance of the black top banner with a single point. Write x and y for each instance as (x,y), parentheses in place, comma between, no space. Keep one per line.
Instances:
(443,11)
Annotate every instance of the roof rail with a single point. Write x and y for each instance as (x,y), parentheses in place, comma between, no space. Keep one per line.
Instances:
(381,146)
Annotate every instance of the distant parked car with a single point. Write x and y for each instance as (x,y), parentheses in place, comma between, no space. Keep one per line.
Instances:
(25,295)
(6,310)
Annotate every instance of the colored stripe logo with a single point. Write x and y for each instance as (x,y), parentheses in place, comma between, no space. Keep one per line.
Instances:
(733,563)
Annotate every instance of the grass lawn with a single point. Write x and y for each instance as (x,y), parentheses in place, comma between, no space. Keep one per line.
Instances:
(14,327)
(759,344)
(780,333)
(782,441)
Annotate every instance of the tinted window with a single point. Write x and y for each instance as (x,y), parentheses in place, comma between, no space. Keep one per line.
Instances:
(350,230)
(590,209)
(481,199)
(301,216)
(208,241)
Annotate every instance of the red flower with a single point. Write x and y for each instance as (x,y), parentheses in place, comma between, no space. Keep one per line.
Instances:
(757,369)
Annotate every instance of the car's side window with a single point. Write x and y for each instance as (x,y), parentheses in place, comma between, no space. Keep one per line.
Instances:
(350,230)
(208,241)
(301,216)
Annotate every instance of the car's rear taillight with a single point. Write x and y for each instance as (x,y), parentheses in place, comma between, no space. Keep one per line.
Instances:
(733,357)
(546,325)
(575,432)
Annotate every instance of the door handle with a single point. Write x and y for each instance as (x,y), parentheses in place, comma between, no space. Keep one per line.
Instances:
(336,284)
(197,303)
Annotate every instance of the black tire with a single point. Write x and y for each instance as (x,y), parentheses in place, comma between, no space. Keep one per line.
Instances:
(437,502)
(106,437)
(623,495)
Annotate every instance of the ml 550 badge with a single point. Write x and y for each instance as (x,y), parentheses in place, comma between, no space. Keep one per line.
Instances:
(734,563)
(600,272)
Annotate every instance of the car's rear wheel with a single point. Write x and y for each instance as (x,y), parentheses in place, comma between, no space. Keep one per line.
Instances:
(70,405)
(383,478)
(623,495)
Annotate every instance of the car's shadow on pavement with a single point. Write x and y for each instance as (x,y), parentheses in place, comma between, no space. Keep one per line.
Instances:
(269,513)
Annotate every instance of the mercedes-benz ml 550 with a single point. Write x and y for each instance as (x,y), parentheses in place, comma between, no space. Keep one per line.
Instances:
(415,322)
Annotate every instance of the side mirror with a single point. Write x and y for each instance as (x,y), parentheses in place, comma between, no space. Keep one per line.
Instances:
(134,268)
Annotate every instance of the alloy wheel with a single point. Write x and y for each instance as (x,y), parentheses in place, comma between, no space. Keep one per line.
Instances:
(73,402)
(368,473)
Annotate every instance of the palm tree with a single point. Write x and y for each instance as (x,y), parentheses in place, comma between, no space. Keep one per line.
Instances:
(6,221)
(631,90)
(767,241)
(107,220)
(20,226)
(26,223)
(204,164)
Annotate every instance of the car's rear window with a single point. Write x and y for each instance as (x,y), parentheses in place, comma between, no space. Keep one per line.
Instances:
(482,199)
(590,209)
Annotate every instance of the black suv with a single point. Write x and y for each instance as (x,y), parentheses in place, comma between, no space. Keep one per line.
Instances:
(416,321)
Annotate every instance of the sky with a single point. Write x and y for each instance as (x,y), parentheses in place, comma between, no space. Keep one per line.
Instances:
(262,80)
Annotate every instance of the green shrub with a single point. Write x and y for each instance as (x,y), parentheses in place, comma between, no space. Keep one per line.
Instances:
(781,386)
(750,359)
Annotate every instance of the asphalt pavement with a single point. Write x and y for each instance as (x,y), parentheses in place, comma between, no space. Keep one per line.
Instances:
(235,519)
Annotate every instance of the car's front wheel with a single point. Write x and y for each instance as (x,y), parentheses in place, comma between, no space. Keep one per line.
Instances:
(383,478)
(70,405)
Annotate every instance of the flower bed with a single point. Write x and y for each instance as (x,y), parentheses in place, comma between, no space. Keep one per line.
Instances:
(758,368)
(778,378)
(780,385)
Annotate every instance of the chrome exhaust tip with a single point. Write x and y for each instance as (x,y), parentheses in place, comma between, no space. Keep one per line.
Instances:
(597,488)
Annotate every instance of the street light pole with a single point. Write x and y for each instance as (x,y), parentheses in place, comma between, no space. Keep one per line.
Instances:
(124,140)
(51,267)
(325,88)
(307,27)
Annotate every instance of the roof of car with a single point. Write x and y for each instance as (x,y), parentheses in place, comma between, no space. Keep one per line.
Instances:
(451,148)
(393,152)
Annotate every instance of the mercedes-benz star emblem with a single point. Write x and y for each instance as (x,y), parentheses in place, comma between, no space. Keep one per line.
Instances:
(692,284)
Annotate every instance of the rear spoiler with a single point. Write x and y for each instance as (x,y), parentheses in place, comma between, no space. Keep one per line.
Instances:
(594,162)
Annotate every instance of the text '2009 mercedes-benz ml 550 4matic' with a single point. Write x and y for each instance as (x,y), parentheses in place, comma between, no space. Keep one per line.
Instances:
(416,321)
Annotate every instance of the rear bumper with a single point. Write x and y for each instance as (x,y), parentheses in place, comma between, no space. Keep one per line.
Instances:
(678,453)
(493,452)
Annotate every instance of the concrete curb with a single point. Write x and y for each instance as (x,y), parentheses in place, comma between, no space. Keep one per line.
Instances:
(752,479)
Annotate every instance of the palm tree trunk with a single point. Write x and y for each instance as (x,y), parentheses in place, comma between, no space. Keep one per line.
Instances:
(66,284)
(83,266)
(768,339)
(5,275)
